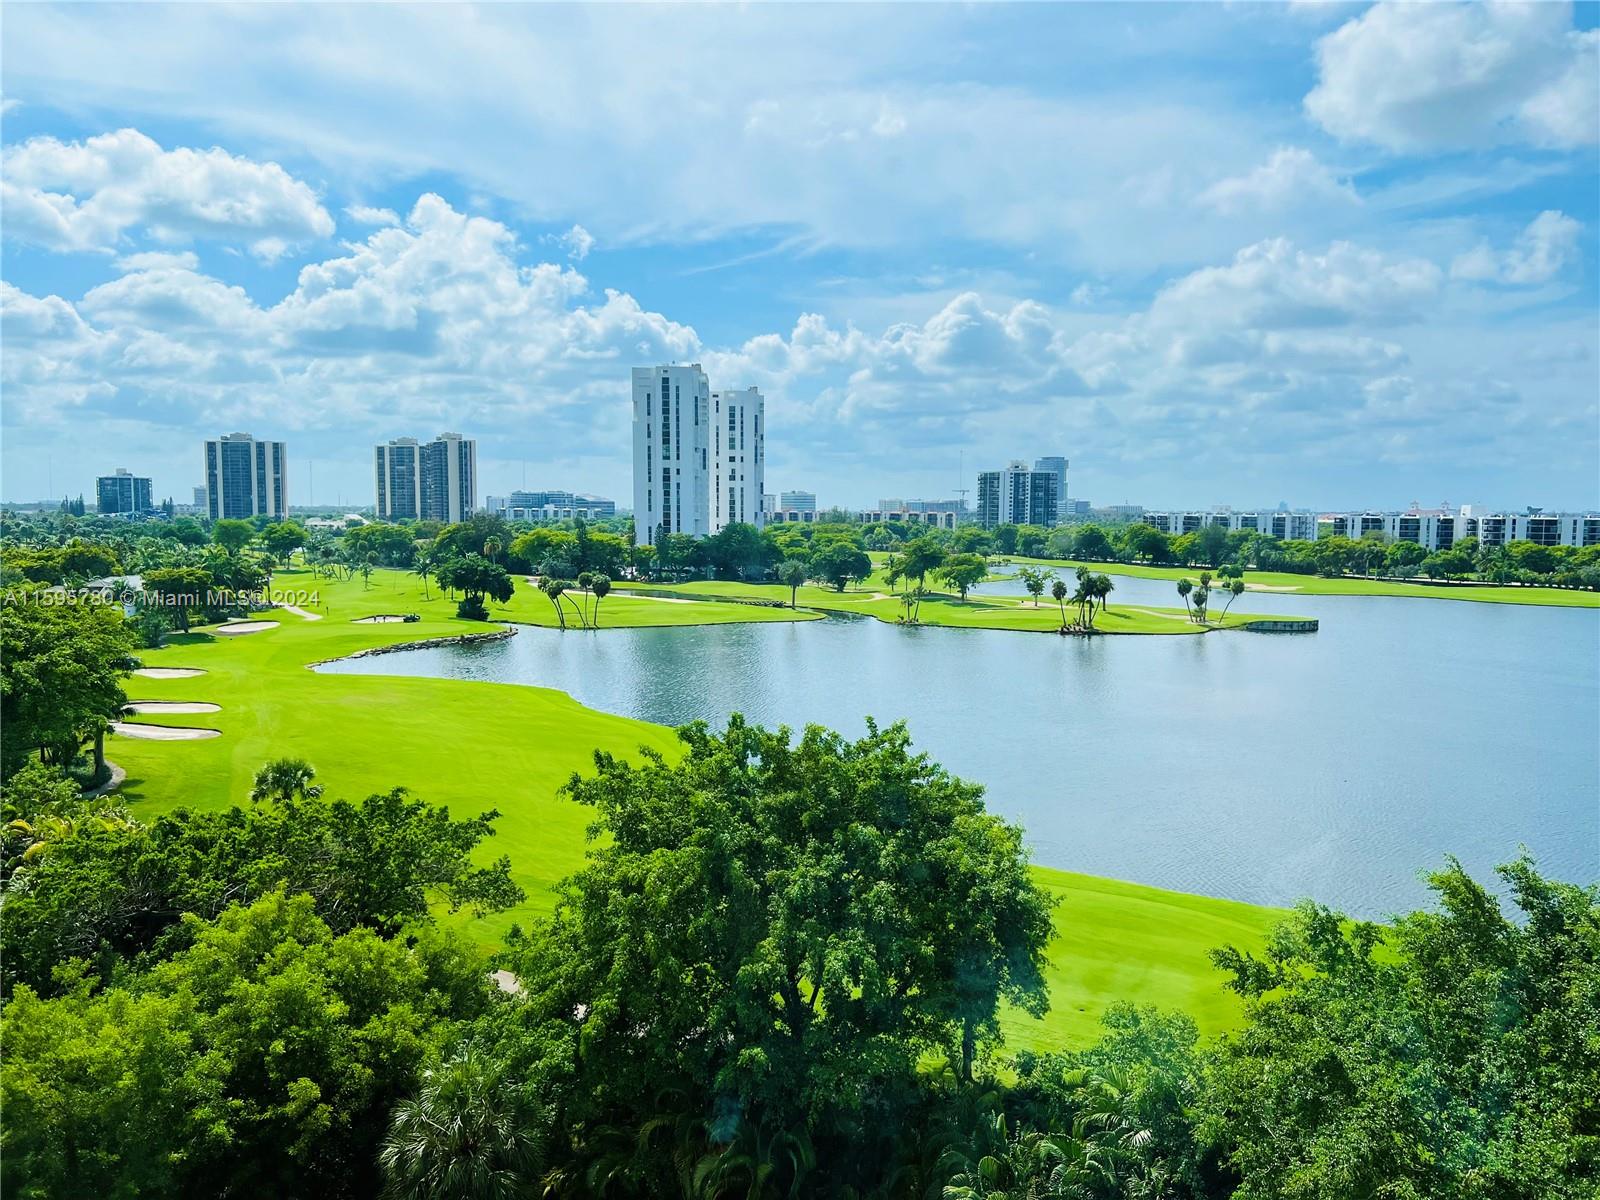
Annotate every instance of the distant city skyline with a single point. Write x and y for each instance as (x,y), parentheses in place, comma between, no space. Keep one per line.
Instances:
(1287,251)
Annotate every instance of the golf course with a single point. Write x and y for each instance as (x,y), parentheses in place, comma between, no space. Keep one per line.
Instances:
(1019,613)
(1290,582)
(477,746)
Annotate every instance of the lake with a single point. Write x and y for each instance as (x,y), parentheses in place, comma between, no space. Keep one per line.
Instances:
(1260,767)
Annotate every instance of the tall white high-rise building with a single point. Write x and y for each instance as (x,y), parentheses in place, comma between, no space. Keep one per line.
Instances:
(433,481)
(398,476)
(246,478)
(671,452)
(1017,496)
(449,478)
(738,458)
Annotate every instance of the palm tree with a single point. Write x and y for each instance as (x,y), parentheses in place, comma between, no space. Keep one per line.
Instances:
(1084,599)
(1103,587)
(553,587)
(1235,590)
(585,579)
(1185,586)
(792,573)
(283,779)
(1058,589)
(491,549)
(601,586)
(427,558)
(466,1136)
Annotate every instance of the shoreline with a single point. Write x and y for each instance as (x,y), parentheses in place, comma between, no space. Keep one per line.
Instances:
(1349,586)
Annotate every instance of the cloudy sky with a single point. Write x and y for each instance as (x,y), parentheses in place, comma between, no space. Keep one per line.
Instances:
(1331,254)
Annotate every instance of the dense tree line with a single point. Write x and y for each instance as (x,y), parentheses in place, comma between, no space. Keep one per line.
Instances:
(778,973)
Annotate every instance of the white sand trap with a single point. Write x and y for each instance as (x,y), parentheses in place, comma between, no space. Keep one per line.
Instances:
(657,599)
(1270,587)
(380,619)
(245,627)
(300,612)
(169,672)
(163,733)
(170,706)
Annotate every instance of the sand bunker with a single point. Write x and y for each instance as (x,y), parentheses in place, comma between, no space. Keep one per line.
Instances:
(300,612)
(163,733)
(380,619)
(245,627)
(169,672)
(170,706)
(657,599)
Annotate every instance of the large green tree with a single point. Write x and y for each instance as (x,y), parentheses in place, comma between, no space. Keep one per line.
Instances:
(261,1060)
(61,670)
(1454,1053)
(233,535)
(475,577)
(116,891)
(840,564)
(179,590)
(774,932)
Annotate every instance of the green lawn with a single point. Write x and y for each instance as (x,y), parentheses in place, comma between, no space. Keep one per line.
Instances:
(1313,585)
(977,612)
(476,746)
(401,592)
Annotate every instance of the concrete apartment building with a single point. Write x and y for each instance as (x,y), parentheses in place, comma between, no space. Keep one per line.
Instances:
(699,457)
(797,502)
(1286,526)
(1434,529)
(738,458)
(1018,495)
(1057,466)
(122,494)
(430,481)
(246,478)
(551,505)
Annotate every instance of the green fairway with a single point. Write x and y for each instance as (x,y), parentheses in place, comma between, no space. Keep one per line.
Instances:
(977,612)
(1315,585)
(476,746)
(402,592)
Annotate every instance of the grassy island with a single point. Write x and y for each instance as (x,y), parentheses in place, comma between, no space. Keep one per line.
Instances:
(872,598)
(1291,583)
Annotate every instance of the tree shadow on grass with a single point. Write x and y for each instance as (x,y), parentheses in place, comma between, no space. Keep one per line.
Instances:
(186,639)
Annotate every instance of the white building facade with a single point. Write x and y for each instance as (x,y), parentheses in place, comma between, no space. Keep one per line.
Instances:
(246,478)
(671,452)
(738,458)
(431,481)
(398,480)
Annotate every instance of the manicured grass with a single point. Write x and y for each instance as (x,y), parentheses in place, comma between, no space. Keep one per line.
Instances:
(476,746)
(1314,585)
(1123,941)
(976,612)
(401,592)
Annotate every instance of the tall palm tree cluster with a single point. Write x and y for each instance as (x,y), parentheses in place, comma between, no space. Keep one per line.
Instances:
(468,1135)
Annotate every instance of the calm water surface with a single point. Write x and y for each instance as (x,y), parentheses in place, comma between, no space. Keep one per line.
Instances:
(1254,766)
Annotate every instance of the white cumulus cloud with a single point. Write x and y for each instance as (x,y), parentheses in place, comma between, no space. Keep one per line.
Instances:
(1539,253)
(1424,77)
(1293,176)
(365,214)
(91,195)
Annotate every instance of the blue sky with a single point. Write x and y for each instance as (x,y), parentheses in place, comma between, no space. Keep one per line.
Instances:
(1331,254)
